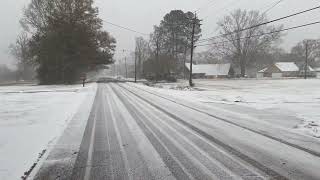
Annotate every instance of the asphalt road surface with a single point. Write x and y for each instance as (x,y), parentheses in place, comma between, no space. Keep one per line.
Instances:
(135,134)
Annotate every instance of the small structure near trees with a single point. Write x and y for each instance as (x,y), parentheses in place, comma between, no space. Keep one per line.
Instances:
(310,71)
(318,72)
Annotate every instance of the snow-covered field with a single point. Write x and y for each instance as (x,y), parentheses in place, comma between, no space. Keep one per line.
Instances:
(32,117)
(290,97)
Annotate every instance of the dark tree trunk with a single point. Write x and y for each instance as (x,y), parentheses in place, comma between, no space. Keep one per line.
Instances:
(243,66)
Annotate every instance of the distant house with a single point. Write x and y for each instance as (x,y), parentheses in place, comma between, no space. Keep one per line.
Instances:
(310,71)
(318,72)
(280,69)
(210,71)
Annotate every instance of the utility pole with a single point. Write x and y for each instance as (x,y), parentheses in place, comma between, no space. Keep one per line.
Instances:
(306,62)
(135,66)
(125,63)
(192,48)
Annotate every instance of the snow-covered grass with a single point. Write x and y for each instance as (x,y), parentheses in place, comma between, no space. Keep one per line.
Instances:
(32,117)
(292,97)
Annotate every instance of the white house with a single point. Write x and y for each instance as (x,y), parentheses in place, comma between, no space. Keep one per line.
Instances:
(281,69)
(210,71)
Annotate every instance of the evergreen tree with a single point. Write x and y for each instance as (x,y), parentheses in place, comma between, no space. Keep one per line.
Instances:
(67,39)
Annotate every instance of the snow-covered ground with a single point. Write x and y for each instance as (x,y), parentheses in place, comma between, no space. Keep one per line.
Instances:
(292,97)
(32,117)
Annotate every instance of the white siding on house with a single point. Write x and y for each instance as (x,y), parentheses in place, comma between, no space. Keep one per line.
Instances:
(210,69)
(260,75)
(276,75)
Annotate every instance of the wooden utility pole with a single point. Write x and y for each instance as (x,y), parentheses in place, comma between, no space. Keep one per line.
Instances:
(192,48)
(135,66)
(125,61)
(306,62)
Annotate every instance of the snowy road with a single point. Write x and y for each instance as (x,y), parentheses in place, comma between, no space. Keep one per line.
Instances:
(133,133)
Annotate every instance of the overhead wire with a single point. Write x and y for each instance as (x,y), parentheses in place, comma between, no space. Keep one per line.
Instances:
(125,28)
(273,6)
(260,35)
(261,24)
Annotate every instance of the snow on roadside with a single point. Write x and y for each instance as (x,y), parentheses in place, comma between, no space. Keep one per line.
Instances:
(182,86)
(31,117)
(294,97)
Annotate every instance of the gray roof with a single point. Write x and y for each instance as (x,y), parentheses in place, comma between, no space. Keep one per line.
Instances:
(287,66)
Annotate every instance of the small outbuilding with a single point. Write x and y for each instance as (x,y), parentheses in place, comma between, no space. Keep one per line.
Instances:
(317,72)
(210,71)
(281,69)
(261,73)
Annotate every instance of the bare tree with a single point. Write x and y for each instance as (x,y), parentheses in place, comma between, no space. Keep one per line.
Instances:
(20,50)
(299,51)
(142,53)
(244,45)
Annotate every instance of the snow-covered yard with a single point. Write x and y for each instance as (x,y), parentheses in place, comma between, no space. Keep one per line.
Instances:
(32,117)
(297,98)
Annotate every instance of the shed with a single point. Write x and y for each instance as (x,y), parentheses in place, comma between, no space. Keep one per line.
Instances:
(261,73)
(210,71)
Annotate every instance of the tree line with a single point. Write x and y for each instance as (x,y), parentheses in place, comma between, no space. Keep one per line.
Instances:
(62,40)
(168,48)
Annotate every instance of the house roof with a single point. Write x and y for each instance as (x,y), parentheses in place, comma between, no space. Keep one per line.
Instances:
(311,69)
(287,66)
(263,70)
(210,69)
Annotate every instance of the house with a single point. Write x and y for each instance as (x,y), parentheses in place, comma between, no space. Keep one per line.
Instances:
(210,71)
(281,69)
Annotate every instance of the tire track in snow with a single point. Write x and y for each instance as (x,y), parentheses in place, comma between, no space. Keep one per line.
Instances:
(188,159)
(271,173)
(220,159)
(235,124)
(174,165)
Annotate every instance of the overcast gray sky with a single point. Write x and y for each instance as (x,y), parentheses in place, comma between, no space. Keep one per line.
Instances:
(141,15)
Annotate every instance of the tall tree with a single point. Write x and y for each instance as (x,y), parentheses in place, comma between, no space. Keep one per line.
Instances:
(171,41)
(67,38)
(176,28)
(244,46)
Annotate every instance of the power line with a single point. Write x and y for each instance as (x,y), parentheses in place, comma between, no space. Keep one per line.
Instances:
(233,2)
(126,28)
(261,24)
(273,6)
(259,35)
(206,6)
(223,8)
